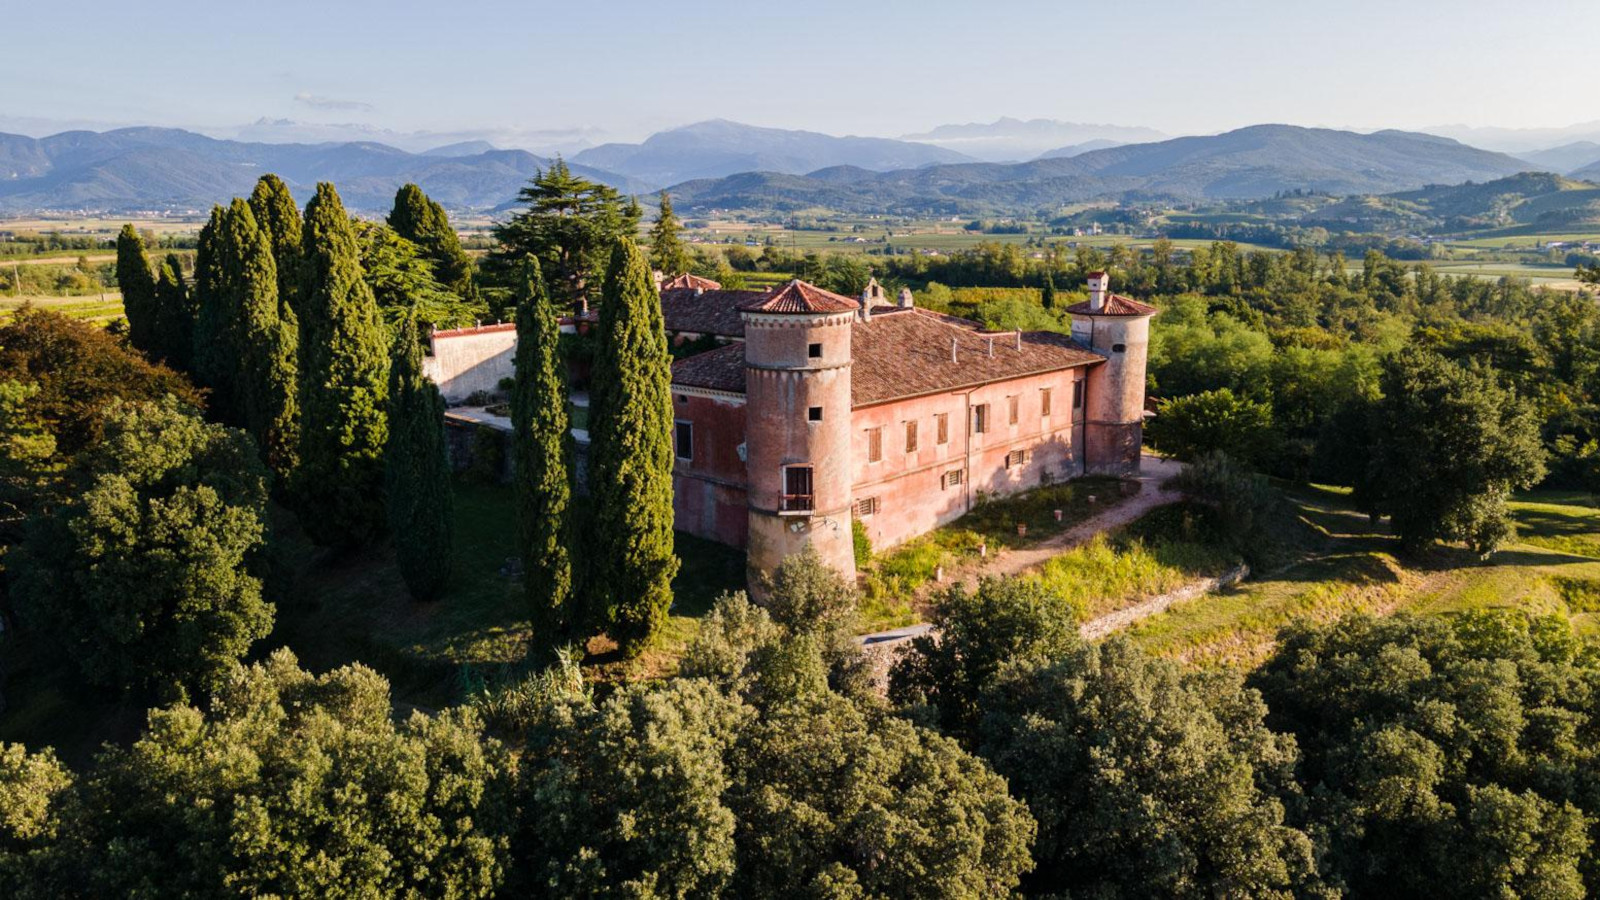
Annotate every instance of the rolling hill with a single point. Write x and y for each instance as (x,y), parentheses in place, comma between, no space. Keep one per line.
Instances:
(1565,158)
(1535,200)
(174,170)
(1248,163)
(718,148)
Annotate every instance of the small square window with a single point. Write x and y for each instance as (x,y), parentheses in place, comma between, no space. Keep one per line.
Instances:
(814,414)
(814,351)
(953,478)
(866,506)
(1119,348)
(1016,458)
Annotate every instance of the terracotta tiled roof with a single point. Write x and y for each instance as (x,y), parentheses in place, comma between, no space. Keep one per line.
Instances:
(799,297)
(907,354)
(706,312)
(721,369)
(690,282)
(1116,305)
(479,329)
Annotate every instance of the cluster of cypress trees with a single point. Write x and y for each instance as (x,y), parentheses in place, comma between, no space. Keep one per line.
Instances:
(623,541)
(282,328)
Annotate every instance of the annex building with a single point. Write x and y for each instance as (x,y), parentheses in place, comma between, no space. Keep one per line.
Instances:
(816,409)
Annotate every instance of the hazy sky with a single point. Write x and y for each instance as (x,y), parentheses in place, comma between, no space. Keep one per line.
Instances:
(623,69)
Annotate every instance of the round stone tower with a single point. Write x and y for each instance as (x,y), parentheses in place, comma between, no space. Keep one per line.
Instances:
(797,427)
(1118,329)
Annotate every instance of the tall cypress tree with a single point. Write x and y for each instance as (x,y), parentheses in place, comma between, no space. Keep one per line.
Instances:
(174,316)
(1047,294)
(629,533)
(276,213)
(667,252)
(542,456)
(343,369)
(417,470)
(262,340)
(138,285)
(424,223)
(209,360)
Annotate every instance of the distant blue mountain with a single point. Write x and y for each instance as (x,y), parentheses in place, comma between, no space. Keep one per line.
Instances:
(173,170)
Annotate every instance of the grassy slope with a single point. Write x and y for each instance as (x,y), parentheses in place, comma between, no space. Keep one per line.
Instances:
(1352,567)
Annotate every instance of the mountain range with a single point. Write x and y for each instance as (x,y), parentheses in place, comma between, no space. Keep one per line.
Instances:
(718,147)
(1528,200)
(1253,162)
(1014,140)
(726,165)
(173,170)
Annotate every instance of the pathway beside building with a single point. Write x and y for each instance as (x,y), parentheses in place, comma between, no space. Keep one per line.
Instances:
(1154,472)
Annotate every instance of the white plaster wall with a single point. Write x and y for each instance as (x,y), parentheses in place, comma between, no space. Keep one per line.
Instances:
(462,364)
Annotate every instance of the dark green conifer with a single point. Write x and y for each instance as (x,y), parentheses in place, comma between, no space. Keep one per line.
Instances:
(209,361)
(542,456)
(424,223)
(276,213)
(343,369)
(570,223)
(417,471)
(667,252)
(628,549)
(138,287)
(1047,295)
(174,315)
(261,341)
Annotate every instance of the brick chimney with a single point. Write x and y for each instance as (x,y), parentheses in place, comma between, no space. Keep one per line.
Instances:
(905,298)
(1098,282)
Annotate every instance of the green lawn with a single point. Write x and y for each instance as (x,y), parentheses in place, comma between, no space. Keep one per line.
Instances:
(1352,566)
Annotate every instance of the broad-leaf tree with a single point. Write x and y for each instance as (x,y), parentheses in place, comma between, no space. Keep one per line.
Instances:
(571,224)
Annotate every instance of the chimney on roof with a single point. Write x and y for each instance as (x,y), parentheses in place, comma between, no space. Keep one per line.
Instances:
(953,343)
(1098,282)
(866,300)
(905,298)
(991,348)
(698,290)
(1019,340)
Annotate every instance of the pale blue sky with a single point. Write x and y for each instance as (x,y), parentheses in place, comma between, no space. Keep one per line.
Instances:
(624,69)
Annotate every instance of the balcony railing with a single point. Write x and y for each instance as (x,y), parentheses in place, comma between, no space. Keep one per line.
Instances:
(798,502)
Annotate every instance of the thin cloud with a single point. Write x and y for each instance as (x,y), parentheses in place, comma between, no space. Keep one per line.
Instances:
(318,102)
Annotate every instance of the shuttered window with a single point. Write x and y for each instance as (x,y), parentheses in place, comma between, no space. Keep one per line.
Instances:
(942,425)
(911,437)
(874,444)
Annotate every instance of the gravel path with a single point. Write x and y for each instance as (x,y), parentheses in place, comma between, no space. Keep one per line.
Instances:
(1153,472)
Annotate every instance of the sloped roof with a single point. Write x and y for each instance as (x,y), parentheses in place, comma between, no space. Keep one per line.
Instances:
(1116,305)
(906,353)
(801,298)
(721,369)
(706,312)
(689,282)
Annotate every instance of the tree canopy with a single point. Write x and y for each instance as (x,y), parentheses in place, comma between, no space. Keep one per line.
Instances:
(571,224)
